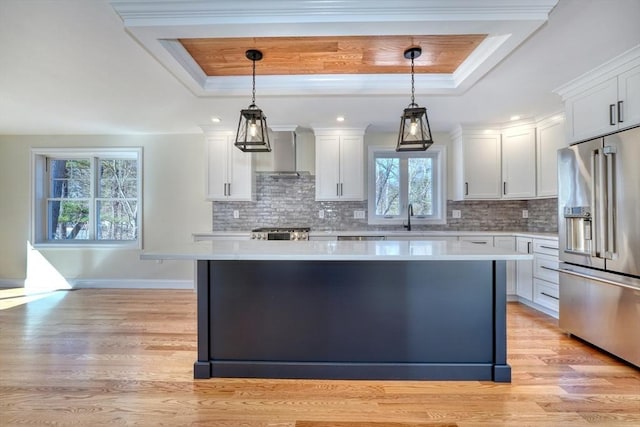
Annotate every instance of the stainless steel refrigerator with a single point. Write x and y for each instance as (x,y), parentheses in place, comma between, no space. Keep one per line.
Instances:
(599,236)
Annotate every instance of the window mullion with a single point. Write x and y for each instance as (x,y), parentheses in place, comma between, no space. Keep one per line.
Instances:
(93,204)
(404,186)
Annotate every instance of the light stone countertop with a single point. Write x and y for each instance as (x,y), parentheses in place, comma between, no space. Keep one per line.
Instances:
(389,234)
(385,250)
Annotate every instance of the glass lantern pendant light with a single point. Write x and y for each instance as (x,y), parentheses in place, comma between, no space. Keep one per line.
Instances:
(415,133)
(253,134)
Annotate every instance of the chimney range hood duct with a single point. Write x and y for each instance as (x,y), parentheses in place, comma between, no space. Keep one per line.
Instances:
(283,145)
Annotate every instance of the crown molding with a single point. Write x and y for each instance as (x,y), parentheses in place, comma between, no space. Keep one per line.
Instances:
(143,13)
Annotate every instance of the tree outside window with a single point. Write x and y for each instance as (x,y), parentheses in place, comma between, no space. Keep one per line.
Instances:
(85,199)
(400,179)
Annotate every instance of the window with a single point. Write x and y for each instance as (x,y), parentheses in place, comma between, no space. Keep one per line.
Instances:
(87,196)
(399,179)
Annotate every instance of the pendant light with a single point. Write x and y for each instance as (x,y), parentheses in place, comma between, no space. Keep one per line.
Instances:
(415,133)
(253,134)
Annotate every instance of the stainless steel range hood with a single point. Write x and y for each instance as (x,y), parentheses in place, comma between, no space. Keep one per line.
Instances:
(283,144)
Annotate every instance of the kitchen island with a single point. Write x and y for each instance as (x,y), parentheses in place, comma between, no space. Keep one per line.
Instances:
(433,310)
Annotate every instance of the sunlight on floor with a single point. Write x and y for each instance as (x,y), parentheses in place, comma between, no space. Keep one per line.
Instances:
(41,282)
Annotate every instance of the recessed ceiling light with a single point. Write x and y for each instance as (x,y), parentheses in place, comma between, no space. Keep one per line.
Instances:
(340,119)
(515,118)
(216,119)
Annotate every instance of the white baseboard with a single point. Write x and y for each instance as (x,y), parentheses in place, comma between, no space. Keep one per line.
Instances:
(538,307)
(112,284)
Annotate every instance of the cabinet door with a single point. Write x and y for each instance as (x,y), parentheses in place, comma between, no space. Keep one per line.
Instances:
(327,167)
(481,156)
(351,159)
(217,167)
(550,138)
(524,270)
(519,163)
(508,242)
(241,180)
(593,112)
(629,96)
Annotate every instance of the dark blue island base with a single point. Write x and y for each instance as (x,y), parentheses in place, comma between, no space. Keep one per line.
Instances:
(418,320)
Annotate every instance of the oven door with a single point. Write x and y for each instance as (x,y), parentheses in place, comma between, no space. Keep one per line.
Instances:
(279,235)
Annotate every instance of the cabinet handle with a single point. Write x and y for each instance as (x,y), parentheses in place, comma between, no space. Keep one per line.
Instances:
(229,187)
(550,296)
(548,247)
(478,242)
(341,190)
(466,188)
(528,247)
(612,120)
(225,189)
(337,189)
(504,188)
(620,112)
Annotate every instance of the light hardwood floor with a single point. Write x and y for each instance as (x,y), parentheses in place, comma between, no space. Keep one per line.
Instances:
(125,357)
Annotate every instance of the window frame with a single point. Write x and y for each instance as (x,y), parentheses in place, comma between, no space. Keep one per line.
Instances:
(40,182)
(439,155)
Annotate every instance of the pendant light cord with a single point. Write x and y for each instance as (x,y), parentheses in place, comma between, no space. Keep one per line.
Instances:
(412,82)
(253,96)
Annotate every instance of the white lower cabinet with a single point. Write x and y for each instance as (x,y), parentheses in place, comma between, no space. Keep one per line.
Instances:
(524,269)
(537,279)
(545,275)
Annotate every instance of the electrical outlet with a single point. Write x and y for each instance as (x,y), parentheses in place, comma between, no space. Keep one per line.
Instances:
(236,214)
(321,213)
(358,214)
(525,213)
(456,213)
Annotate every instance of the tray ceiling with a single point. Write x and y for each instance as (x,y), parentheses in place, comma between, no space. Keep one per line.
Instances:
(331,54)
(340,48)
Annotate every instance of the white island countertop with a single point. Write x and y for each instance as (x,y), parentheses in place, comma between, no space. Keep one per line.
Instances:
(386,250)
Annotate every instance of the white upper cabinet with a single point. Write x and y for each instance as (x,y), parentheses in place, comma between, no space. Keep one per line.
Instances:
(603,100)
(230,174)
(629,97)
(592,112)
(550,137)
(339,164)
(477,164)
(518,162)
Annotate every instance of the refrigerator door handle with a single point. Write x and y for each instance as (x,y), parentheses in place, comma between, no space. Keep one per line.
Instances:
(596,237)
(610,242)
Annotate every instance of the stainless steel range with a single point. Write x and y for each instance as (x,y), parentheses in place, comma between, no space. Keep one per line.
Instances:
(280,233)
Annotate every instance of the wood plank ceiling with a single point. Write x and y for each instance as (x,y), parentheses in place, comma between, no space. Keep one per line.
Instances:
(331,55)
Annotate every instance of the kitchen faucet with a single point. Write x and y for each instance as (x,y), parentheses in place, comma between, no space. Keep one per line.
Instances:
(409,215)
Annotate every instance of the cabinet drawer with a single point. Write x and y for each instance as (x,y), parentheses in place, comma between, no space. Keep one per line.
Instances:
(549,247)
(545,294)
(478,240)
(545,267)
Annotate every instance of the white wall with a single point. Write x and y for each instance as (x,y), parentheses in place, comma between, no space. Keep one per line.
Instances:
(173,207)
